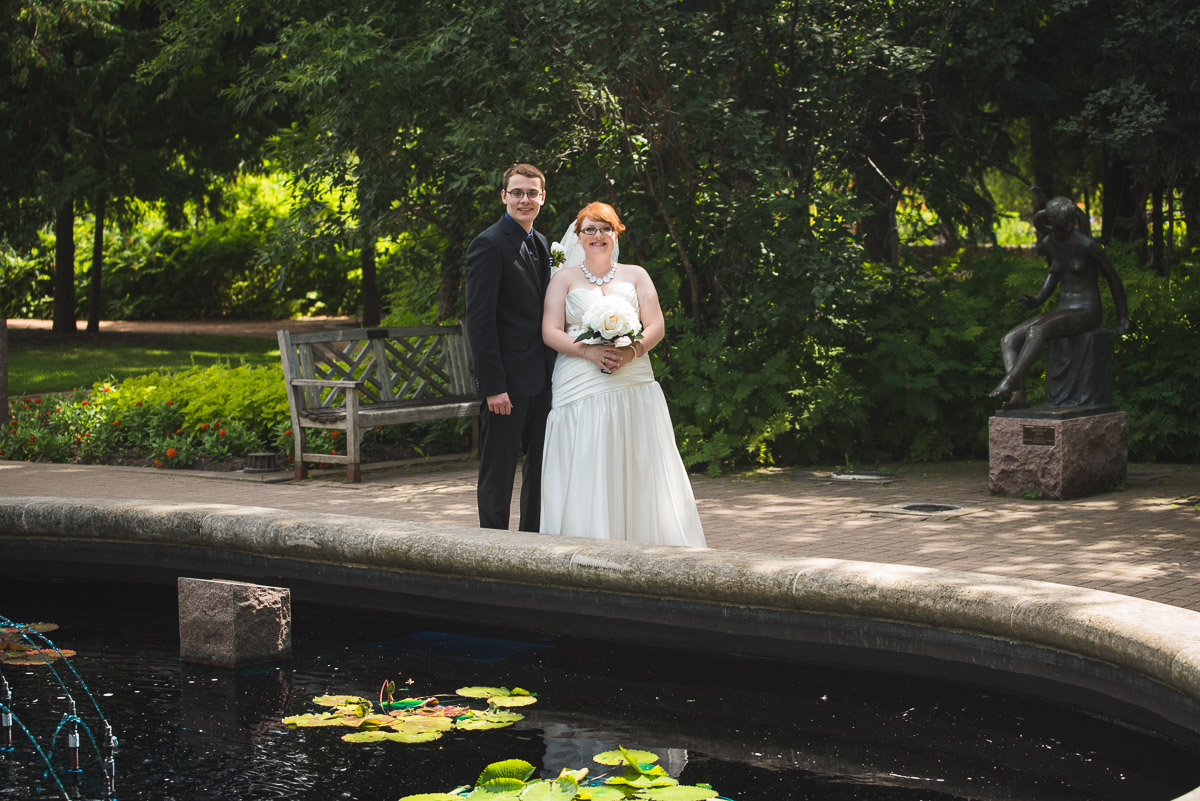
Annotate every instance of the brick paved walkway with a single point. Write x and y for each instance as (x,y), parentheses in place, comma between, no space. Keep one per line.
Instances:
(1143,541)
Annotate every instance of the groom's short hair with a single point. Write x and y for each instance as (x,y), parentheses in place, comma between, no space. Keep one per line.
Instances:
(528,170)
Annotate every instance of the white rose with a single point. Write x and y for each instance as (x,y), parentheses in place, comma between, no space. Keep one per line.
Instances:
(611,317)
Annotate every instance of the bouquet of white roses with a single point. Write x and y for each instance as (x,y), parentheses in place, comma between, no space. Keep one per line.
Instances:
(611,320)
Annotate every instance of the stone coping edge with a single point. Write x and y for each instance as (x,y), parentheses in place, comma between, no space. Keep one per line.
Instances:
(1158,641)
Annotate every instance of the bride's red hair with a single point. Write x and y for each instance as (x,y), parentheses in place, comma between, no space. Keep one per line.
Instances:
(601,212)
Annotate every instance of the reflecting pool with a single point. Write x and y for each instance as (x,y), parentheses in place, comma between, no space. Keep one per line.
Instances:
(752,728)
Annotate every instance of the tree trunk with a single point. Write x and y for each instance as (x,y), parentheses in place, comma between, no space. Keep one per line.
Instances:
(64,269)
(1157,259)
(4,417)
(1190,199)
(449,284)
(1041,152)
(370,286)
(94,291)
(1124,218)
(880,237)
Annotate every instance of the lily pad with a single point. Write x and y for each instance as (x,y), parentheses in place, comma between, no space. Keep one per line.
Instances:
(39,628)
(602,793)
(379,735)
(494,693)
(314,719)
(517,769)
(368,721)
(683,792)
(33,656)
(403,703)
(564,788)
(340,700)
(643,781)
(498,790)
(421,724)
(626,756)
(482,723)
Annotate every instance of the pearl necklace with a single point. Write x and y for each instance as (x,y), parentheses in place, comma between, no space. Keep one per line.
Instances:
(599,281)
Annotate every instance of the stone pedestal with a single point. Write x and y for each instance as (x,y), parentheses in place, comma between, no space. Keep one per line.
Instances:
(1057,453)
(231,624)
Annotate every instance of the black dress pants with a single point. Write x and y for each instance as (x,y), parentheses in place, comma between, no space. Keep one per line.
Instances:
(502,438)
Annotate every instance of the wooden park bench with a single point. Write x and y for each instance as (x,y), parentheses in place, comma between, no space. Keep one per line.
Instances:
(356,379)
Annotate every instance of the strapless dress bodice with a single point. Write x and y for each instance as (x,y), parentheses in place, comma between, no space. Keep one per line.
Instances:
(580,300)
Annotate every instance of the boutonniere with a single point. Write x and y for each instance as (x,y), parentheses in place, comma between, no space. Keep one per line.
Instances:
(558,255)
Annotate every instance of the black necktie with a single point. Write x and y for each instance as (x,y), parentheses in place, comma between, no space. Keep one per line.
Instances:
(530,252)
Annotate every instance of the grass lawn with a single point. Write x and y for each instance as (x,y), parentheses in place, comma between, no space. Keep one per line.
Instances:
(40,361)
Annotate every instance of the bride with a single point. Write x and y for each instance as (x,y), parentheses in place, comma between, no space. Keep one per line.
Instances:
(611,469)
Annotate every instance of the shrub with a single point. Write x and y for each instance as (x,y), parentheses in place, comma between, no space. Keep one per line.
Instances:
(214,413)
(873,365)
(217,413)
(1157,373)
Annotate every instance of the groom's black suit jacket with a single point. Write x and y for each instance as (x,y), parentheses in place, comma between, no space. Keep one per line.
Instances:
(504,312)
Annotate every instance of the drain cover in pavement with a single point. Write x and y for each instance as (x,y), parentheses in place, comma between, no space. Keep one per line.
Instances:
(874,477)
(930,507)
(914,509)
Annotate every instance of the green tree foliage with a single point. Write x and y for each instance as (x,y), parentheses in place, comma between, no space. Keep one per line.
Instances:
(760,152)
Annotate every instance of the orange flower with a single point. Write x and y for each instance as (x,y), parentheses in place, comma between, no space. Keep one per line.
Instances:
(334,434)
(287,433)
(157,463)
(32,438)
(171,453)
(170,403)
(37,400)
(137,403)
(116,422)
(85,403)
(179,431)
(204,426)
(333,452)
(221,433)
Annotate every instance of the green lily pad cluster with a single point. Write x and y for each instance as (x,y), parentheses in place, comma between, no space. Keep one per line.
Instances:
(414,720)
(639,778)
(16,648)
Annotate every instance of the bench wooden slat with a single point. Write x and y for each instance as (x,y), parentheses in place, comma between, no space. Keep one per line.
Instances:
(357,334)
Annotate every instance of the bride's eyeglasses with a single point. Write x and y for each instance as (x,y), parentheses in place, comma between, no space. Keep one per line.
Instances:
(592,231)
(521,194)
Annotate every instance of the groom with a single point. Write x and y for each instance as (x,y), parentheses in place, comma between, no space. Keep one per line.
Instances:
(508,267)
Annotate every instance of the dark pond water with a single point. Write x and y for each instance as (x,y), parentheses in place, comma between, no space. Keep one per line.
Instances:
(754,729)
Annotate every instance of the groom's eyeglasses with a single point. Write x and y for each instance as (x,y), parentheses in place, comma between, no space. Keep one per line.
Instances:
(590,231)
(521,194)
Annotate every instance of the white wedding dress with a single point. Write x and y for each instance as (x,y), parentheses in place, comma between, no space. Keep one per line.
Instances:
(611,469)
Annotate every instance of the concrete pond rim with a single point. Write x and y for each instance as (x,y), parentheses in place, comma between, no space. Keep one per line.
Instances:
(1128,658)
